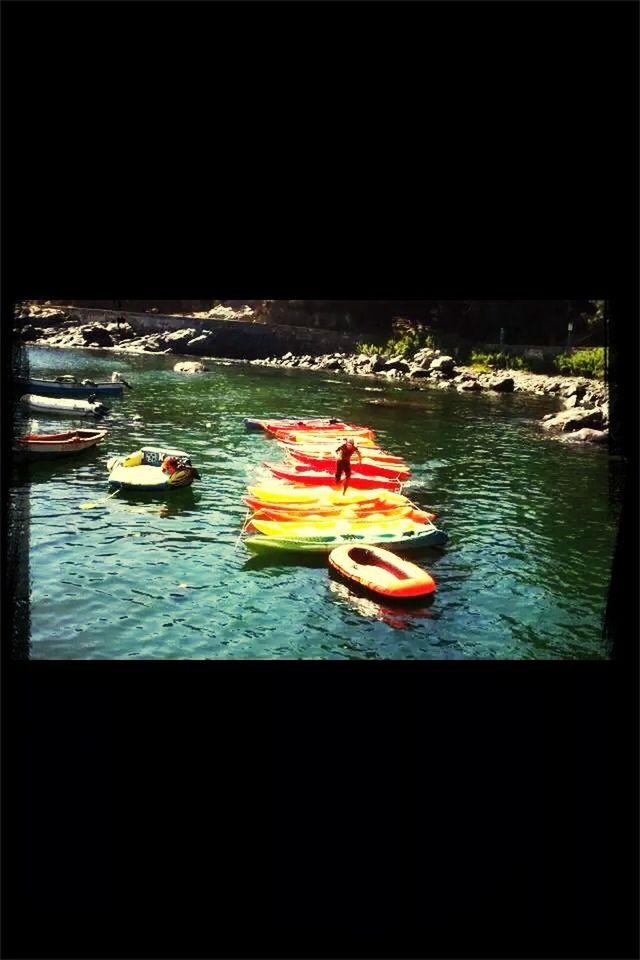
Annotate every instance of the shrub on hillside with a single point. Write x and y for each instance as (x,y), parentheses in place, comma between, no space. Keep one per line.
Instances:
(582,363)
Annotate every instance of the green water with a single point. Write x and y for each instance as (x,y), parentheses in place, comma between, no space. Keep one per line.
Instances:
(525,573)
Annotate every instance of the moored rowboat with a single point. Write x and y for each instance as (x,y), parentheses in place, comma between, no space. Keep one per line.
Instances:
(381,571)
(68,386)
(58,444)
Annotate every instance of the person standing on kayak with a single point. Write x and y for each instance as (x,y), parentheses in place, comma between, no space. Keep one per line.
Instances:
(345,452)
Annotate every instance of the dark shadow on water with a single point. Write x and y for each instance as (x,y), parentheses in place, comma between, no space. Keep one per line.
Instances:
(29,470)
(171,504)
(282,560)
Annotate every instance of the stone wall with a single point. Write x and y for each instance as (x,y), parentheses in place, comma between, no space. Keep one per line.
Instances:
(237,339)
(139,306)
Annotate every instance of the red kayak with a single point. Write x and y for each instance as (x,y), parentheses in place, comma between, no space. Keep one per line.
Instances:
(327,479)
(322,449)
(301,426)
(366,468)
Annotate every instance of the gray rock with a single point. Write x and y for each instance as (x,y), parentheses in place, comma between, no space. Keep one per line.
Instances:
(586,435)
(190,366)
(501,384)
(396,363)
(444,365)
(417,372)
(570,420)
(96,334)
(467,385)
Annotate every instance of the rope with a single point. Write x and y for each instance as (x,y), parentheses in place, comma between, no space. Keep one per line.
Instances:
(246,523)
(90,504)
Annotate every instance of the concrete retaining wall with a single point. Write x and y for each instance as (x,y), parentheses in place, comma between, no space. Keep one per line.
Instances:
(237,339)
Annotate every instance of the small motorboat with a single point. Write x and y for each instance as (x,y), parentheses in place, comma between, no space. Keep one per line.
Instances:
(58,444)
(152,468)
(381,571)
(64,405)
(69,386)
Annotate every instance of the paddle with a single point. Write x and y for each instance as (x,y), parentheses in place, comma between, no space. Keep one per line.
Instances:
(90,504)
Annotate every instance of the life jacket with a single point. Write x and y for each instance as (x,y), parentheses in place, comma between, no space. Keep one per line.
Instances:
(169,465)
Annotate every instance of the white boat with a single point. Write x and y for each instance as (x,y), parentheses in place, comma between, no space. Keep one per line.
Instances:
(152,468)
(64,405)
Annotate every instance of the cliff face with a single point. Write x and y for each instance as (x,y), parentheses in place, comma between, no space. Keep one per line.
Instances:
(521,321)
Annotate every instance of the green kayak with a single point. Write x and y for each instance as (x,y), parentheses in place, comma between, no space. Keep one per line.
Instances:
(406,541)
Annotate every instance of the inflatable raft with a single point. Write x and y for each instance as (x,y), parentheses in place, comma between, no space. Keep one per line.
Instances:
(64,405)
(382,572)
(152,468)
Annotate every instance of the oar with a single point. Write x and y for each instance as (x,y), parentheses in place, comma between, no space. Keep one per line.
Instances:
(90,504)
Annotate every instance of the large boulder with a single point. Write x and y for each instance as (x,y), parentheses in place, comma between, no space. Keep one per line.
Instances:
(96,334)
(416,372)
(570,420)
(586,435)
(501,384)
(424,357)
(444,365)
(396,363)
(177,340)
(205,341)
(190,366)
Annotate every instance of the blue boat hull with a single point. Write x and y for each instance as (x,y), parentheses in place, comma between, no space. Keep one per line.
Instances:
(74,391)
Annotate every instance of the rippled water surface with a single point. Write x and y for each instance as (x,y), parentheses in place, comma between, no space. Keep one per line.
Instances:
(525,573)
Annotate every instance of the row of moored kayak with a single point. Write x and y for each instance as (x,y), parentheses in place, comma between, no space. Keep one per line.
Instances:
(304,509)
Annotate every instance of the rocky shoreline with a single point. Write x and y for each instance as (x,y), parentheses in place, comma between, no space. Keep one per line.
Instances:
(584,417)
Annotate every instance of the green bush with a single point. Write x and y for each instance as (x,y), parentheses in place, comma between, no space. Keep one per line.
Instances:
(405,344)
(505,361)
(369,348)
(582,363)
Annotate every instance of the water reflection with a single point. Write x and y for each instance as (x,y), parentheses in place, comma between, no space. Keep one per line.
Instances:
(172,505)
(400,616)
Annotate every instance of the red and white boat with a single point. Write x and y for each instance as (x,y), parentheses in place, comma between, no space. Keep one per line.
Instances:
(58,444)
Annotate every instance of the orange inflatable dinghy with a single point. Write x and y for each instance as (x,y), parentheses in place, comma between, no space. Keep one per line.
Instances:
(381,571)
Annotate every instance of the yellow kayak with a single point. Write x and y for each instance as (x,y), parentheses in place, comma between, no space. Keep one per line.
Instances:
(293,529)
(339,435)
(291,494)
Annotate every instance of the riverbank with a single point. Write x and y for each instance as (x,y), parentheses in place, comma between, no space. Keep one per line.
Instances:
(583,414)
